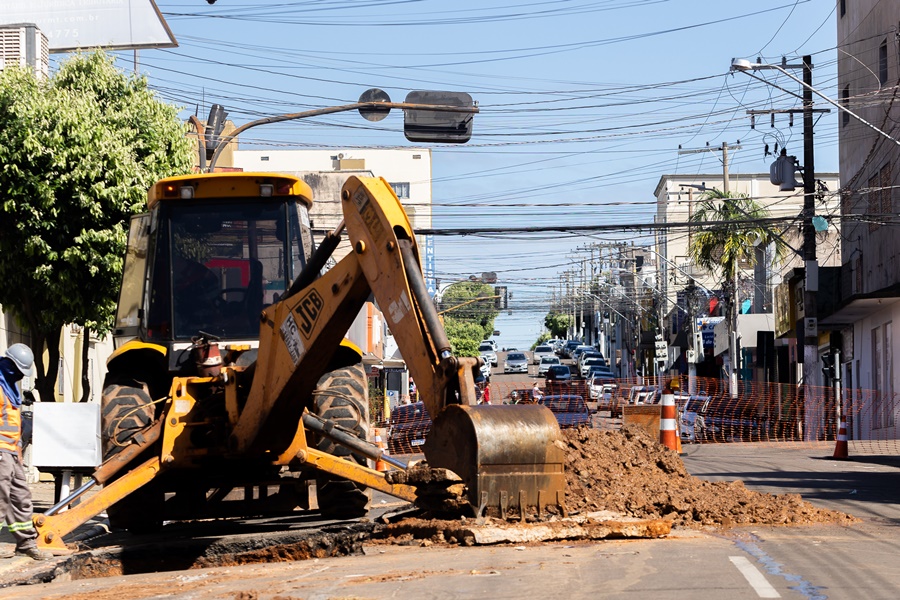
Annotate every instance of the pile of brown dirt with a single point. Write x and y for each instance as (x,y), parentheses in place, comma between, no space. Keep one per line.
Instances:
(629,472)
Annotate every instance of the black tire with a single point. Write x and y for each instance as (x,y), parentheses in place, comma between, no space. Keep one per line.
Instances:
(126,408)
(342,396)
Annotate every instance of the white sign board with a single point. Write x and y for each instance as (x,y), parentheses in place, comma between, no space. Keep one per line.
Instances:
(110,24)
(66,435)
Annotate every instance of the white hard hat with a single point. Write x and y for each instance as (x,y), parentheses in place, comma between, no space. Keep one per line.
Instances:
(23,357)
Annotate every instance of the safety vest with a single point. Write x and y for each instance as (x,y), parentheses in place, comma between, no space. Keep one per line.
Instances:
(10,426)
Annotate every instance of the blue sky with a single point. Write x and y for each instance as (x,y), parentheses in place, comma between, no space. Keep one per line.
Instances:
(584,103)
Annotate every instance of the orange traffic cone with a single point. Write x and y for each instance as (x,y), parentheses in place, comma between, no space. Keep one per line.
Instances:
(840,448)
(381,442)
(668,419)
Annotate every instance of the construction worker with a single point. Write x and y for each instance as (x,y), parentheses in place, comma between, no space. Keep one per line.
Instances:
(15,497)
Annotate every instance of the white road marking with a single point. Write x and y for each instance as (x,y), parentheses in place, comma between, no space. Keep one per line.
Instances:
(757,580)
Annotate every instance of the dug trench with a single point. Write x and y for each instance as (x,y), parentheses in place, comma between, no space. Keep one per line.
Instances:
(619,484)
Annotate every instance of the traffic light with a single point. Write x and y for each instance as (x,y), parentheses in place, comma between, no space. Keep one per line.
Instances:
(215,125)
(828,365)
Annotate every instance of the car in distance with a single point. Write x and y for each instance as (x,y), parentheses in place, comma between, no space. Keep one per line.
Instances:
(559,373)
(485,368)
(578,350)
(540,352)
(570,410)
(568,347)
(408,428)
(488,353)
(516,362)
(597,371)
(558,378)
(591,362)
(546,363)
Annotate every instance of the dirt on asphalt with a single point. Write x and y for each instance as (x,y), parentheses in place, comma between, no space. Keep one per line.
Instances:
(629,472)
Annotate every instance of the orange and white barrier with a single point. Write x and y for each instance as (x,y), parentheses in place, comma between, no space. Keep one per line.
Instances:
(840,448)
(668,420)
(380,440)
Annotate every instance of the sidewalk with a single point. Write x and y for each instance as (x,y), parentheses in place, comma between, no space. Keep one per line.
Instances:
(42,494)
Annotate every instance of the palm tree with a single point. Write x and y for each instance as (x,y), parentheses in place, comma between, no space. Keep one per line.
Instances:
(726,239)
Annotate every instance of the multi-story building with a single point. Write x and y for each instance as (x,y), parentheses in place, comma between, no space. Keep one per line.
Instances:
(868,77)
(677,197)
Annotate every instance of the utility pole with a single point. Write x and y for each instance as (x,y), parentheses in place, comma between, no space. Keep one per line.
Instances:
(811,287)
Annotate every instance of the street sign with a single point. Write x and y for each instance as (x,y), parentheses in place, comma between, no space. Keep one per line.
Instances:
(662,351)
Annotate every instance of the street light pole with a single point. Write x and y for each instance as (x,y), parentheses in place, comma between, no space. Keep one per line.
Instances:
(807,330)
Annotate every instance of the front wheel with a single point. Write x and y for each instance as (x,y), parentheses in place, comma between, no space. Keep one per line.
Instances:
(342,396)
(126,409)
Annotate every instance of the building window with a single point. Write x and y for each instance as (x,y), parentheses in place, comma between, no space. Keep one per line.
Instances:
(845,102)
(882,63)
(401,189)
(264,158)
(843,7)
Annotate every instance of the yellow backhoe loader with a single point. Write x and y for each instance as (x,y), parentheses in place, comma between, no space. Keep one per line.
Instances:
(237,388)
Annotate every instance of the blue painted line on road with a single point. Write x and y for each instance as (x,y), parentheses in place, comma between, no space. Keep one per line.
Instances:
(795,582)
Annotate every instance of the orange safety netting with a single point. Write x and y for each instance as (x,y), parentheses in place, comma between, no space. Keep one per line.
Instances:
(707,412)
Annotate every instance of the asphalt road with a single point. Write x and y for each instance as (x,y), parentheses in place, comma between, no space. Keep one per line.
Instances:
(811,562)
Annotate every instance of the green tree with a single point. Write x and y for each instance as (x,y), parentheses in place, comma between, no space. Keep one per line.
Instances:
(469,311)
(79,151)
(723,241)
(464,336)
(558,324)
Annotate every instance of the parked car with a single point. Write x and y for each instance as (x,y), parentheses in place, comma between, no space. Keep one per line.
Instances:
(486,369)
(687,422)
(717,419)
(408,427)
(578,350)
(540,352)
(642,394)
(592,353)
(558,379)
(598,371)
(568,347)
(569,410)
(546,363)
(559,373)
(487,351)
(516,362)
(591,362)
(604,391)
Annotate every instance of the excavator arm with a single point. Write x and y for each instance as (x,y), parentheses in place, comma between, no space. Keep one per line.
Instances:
(507,455)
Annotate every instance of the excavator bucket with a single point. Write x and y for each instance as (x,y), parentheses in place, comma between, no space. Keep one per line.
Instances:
(510,457)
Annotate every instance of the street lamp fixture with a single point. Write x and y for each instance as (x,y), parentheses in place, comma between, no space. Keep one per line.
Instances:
(744,65)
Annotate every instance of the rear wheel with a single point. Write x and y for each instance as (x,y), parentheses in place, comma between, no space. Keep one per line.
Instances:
(127,408)
(342,396)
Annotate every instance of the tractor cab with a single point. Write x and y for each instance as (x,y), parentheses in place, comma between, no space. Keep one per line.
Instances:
(211,254)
